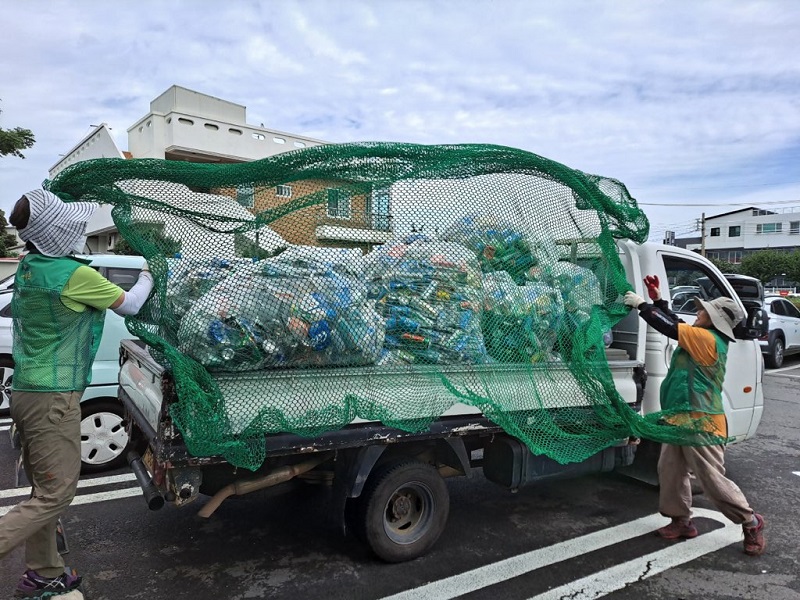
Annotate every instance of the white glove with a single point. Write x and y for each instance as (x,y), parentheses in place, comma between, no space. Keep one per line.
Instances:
(633,300)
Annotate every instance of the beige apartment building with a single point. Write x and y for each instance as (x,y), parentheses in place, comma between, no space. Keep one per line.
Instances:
(185,125)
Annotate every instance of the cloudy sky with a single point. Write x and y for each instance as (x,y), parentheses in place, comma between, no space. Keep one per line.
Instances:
(694,105)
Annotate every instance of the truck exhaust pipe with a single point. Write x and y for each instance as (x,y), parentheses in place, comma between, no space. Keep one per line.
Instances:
(152,496)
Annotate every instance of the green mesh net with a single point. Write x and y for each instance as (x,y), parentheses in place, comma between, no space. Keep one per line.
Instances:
(379,282)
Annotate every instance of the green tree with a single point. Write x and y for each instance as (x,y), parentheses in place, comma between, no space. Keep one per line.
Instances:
(764,265)
(154,235)
(13,141)
(792,266)
(7,240)
(724,266)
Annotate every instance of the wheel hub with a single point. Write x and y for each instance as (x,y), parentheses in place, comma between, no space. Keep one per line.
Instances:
(401,506)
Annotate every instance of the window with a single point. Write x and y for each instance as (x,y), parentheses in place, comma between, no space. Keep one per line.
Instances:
(124,278)
(379,209)
(735,231)
(769,227)
(299,145)
(279,140)
(185,121)
(791,310)
(245,195)
(760,212)
(338,203)
(258,136)
(688,280)
(234,131)
(283,191)
(794,227)
(211,126)
(776,308)
(715,232)
(735,257)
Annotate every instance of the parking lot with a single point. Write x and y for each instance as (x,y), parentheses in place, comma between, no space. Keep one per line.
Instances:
(581,538)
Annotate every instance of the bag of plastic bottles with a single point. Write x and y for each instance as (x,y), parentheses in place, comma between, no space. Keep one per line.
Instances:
(431,297)
(296,310)
(520,322)
(499,246)
(188,279)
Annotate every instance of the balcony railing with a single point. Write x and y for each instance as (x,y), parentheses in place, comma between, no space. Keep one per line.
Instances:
(355,219)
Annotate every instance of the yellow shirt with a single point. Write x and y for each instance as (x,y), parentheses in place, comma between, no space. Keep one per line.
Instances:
(86,287)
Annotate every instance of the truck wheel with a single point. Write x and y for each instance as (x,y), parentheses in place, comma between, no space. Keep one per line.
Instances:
(104,441)
(403,510)
(775,356)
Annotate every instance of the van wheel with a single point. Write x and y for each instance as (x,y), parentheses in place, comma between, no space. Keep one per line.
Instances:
(776,352)
(6,375)
(104,441)
(403,510)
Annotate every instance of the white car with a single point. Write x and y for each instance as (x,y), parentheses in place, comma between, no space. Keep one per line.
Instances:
(784,331)
(104,442)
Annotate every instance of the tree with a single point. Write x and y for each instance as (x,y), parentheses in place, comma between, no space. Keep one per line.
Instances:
(764,265)
(724,266)
(792,266)
(7,240)
(13,141)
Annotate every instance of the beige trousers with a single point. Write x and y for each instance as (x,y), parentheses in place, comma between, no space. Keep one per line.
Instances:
(49,427)
(708,465)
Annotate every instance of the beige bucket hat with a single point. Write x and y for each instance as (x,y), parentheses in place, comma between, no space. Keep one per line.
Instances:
(725,314)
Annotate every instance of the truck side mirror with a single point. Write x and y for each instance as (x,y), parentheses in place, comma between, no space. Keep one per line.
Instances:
(755,326)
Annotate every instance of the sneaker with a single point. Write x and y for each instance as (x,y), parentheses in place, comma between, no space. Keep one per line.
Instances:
(33,585)
(678,529)
(754,542)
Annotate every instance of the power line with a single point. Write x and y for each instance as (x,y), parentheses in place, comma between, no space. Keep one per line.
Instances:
(767,203)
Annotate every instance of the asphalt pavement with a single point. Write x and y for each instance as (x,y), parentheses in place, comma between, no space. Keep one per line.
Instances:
(584,538)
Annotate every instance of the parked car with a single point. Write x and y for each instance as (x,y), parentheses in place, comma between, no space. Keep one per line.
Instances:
(784,331)
(104,441)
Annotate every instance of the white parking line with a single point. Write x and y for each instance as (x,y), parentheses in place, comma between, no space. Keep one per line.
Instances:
(619,576)
(781,370)
(488,575)
(83,483)
(796,472)
(92,498)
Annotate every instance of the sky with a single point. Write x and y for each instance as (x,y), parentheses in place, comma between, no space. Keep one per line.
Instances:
(694,105)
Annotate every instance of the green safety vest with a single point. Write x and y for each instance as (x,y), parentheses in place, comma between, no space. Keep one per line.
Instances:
(54,346)
(689,386)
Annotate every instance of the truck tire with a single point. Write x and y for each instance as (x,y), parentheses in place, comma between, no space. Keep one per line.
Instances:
(104,441)
(403,510)
(776,353)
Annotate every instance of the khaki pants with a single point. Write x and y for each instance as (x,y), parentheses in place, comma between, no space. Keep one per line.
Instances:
(49,427)
(708,465)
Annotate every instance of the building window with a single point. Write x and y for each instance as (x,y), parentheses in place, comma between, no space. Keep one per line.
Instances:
(299,145)
(715,232)
(794,227)
(735,257)
(283,191)
(279,140)
(735,231)
(185,121)
(234,131)
(211,126)
(338,203)
(760,212)
(769,227)
(245,196)
(258,136)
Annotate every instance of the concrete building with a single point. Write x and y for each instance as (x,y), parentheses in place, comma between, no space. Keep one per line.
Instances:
(730,236)
(185,125)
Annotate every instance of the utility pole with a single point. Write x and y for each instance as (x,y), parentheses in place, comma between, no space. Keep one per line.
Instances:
(703,235)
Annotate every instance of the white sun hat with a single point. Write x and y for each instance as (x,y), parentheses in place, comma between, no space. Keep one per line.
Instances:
(55,227)
(725,314)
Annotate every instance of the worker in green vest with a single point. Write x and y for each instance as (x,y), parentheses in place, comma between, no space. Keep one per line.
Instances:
(691,397)
(59,306)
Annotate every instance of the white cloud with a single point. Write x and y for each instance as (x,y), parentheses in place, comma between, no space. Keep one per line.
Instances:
(678,99)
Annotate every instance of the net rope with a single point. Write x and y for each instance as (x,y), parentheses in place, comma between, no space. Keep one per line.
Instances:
(380,282)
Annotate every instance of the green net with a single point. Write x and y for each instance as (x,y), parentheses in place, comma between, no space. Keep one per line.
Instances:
(379,282)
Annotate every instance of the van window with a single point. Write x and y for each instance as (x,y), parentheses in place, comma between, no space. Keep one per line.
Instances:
(687,280)
(124,278)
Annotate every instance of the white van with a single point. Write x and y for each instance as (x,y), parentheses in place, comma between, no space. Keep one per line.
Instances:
(104,441)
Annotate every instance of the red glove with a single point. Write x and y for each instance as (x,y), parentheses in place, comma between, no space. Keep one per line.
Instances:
(651,282)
